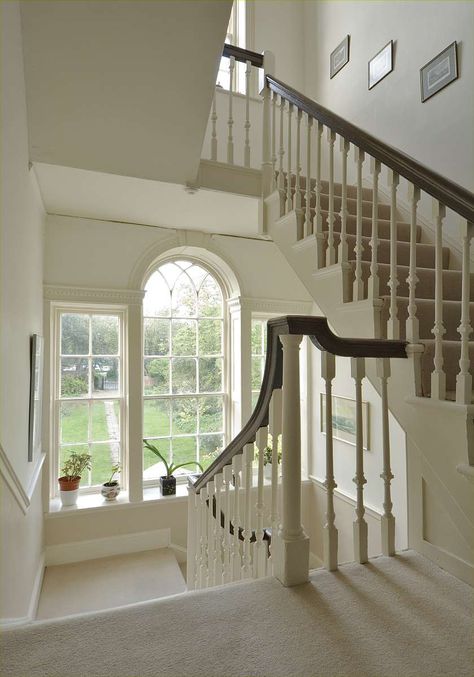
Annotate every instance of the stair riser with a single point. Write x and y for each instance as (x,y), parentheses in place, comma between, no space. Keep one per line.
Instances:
(367,208)
(426,317)
(425,254)
(403,229)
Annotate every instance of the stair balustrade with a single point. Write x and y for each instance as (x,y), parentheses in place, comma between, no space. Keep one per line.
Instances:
(242,524)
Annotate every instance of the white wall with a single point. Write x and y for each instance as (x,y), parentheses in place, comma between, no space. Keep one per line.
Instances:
(21,316)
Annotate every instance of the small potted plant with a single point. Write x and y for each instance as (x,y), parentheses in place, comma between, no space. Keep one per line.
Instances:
(168,481)
(69,481)
(111,489)
(268,459)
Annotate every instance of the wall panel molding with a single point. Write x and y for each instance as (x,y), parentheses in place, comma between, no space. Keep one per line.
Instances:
(22,496)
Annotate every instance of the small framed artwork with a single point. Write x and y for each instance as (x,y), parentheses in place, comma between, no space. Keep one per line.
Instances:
(339,57)
(439,72)
(381,65)
(36,396)
(344,420)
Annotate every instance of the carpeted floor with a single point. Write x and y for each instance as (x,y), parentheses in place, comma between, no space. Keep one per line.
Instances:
(399,616)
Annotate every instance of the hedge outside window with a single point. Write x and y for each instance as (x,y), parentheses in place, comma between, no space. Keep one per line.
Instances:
(183,366)
(259,349)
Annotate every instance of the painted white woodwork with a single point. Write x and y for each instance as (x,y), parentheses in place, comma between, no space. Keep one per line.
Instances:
(412,326)
(373,288)
(298,191)
(235,518)
(328,372)
(394,322)
(293,547)
(358,292)
(438,376)
(248,457)
(218,550)
(289,193)
(317,214)
(191,554)
(230,121)
(211,543)
(275,431)
(260,545)
(135,411)
(226,535)
(360,524)
(388,520)
(214,130)
(281,155)
(464,378)
(267,169)
(274,151)
(248,71)
(342,254)
(308,225)
(331,250)
(202,522)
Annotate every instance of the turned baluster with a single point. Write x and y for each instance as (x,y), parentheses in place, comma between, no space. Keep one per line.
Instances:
(438,376)
(298,192)
(275,432)
(374,284)
(308,225)
(360,525)
(358,292)
(342,254)
(464,378)
(211,543)
(289,192)
(274,154)
(388,520)
(260,547)
(203,560)
(218,561)
(226,534)
(248,70)
(230,121)
(394,322)
(214,130)
(320,240)
(328,372)
(236,568)
(281,154)
(331,250)
(192,536)
(412,326)
(247,531)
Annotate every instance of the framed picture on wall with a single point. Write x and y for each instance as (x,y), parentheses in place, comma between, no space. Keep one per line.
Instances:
(344,420)
(439,72)
(381,65)
(339,57)
(36,396)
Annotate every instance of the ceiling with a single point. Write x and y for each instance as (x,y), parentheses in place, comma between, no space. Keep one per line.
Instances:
(122,87)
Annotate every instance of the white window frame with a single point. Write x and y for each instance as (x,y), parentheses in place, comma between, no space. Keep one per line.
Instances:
(261,317)
(58,309)
(243,12)
(226,358)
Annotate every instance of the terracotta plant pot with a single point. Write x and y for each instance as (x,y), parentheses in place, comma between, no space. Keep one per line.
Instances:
(110,490)
(69,490)
(168,485)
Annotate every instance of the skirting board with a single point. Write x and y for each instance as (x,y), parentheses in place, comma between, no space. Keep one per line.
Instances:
(34,599)
(79,551)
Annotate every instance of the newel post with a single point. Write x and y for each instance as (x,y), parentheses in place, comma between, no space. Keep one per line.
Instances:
(267,165)
(292,561)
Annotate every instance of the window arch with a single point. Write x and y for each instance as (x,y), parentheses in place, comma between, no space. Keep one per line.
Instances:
(184,364)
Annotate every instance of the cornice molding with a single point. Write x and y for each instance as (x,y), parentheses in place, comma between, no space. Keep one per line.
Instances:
(22,496)
(85,294)
(281,306)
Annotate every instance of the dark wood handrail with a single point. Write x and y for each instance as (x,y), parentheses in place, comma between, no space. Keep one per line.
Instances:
(244,55)
(447,192)
(318,330)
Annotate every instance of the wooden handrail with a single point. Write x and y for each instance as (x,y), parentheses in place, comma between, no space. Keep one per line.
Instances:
(447,192)
(244,55)
(318,330)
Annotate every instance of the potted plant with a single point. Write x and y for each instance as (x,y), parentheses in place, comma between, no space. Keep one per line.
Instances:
(168,481)
(111,489)
(69,481)
(268,459)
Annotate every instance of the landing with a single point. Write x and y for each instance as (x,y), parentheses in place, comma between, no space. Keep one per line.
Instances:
(400,616)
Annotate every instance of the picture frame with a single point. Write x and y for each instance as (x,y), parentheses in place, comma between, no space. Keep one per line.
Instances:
(344,420)
(36,396)
(339,57)
(439,72)
(380,65)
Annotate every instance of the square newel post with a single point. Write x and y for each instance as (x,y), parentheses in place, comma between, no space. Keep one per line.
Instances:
(267,161)
(292,564)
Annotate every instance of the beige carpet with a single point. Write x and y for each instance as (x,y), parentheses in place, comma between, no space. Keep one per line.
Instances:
(398,616)
(109,582)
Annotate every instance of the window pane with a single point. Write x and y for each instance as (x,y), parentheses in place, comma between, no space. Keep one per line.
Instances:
(74,422)
(157,301)
(105,334)
(210,374)
(256,373)
(157,339)
(210,446)
(183,298)
(74,377)
(183,336)
(184,375)
(184,415)
(153,467)
(210,337)
(66,451)
(210,414)
(105,421)
(104,456)
(210,298)
(197,274)
(157,376)
(74,334)
(156,418)
(255,396)
(105,375)
(184,450)
(256,337)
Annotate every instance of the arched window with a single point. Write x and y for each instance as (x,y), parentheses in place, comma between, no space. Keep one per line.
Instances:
(184,370)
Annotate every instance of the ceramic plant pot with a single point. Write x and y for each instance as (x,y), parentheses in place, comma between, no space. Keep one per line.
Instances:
(69,490)
(267,471)
(168,485)
(110,490)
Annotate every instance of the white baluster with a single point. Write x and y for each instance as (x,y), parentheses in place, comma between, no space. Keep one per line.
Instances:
(226,535)
(374,284)
(394,322)
(328,372)
(298,192)
(412,326)
(464,378)
(289,192)
(211,522)
(292,565)
(203,561)
(438,376)
(267,170)
(281,154)
(191,540)
(235,553)
(230,121)
(308,225)
(218,561)
(320,240)
(360,525)
(331,249)
(247,531)
(260,546)
(274,155)
(248,70)
(358,292)
(275,432)
(342,254)
(198,554)
(388,520)
(214,130)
